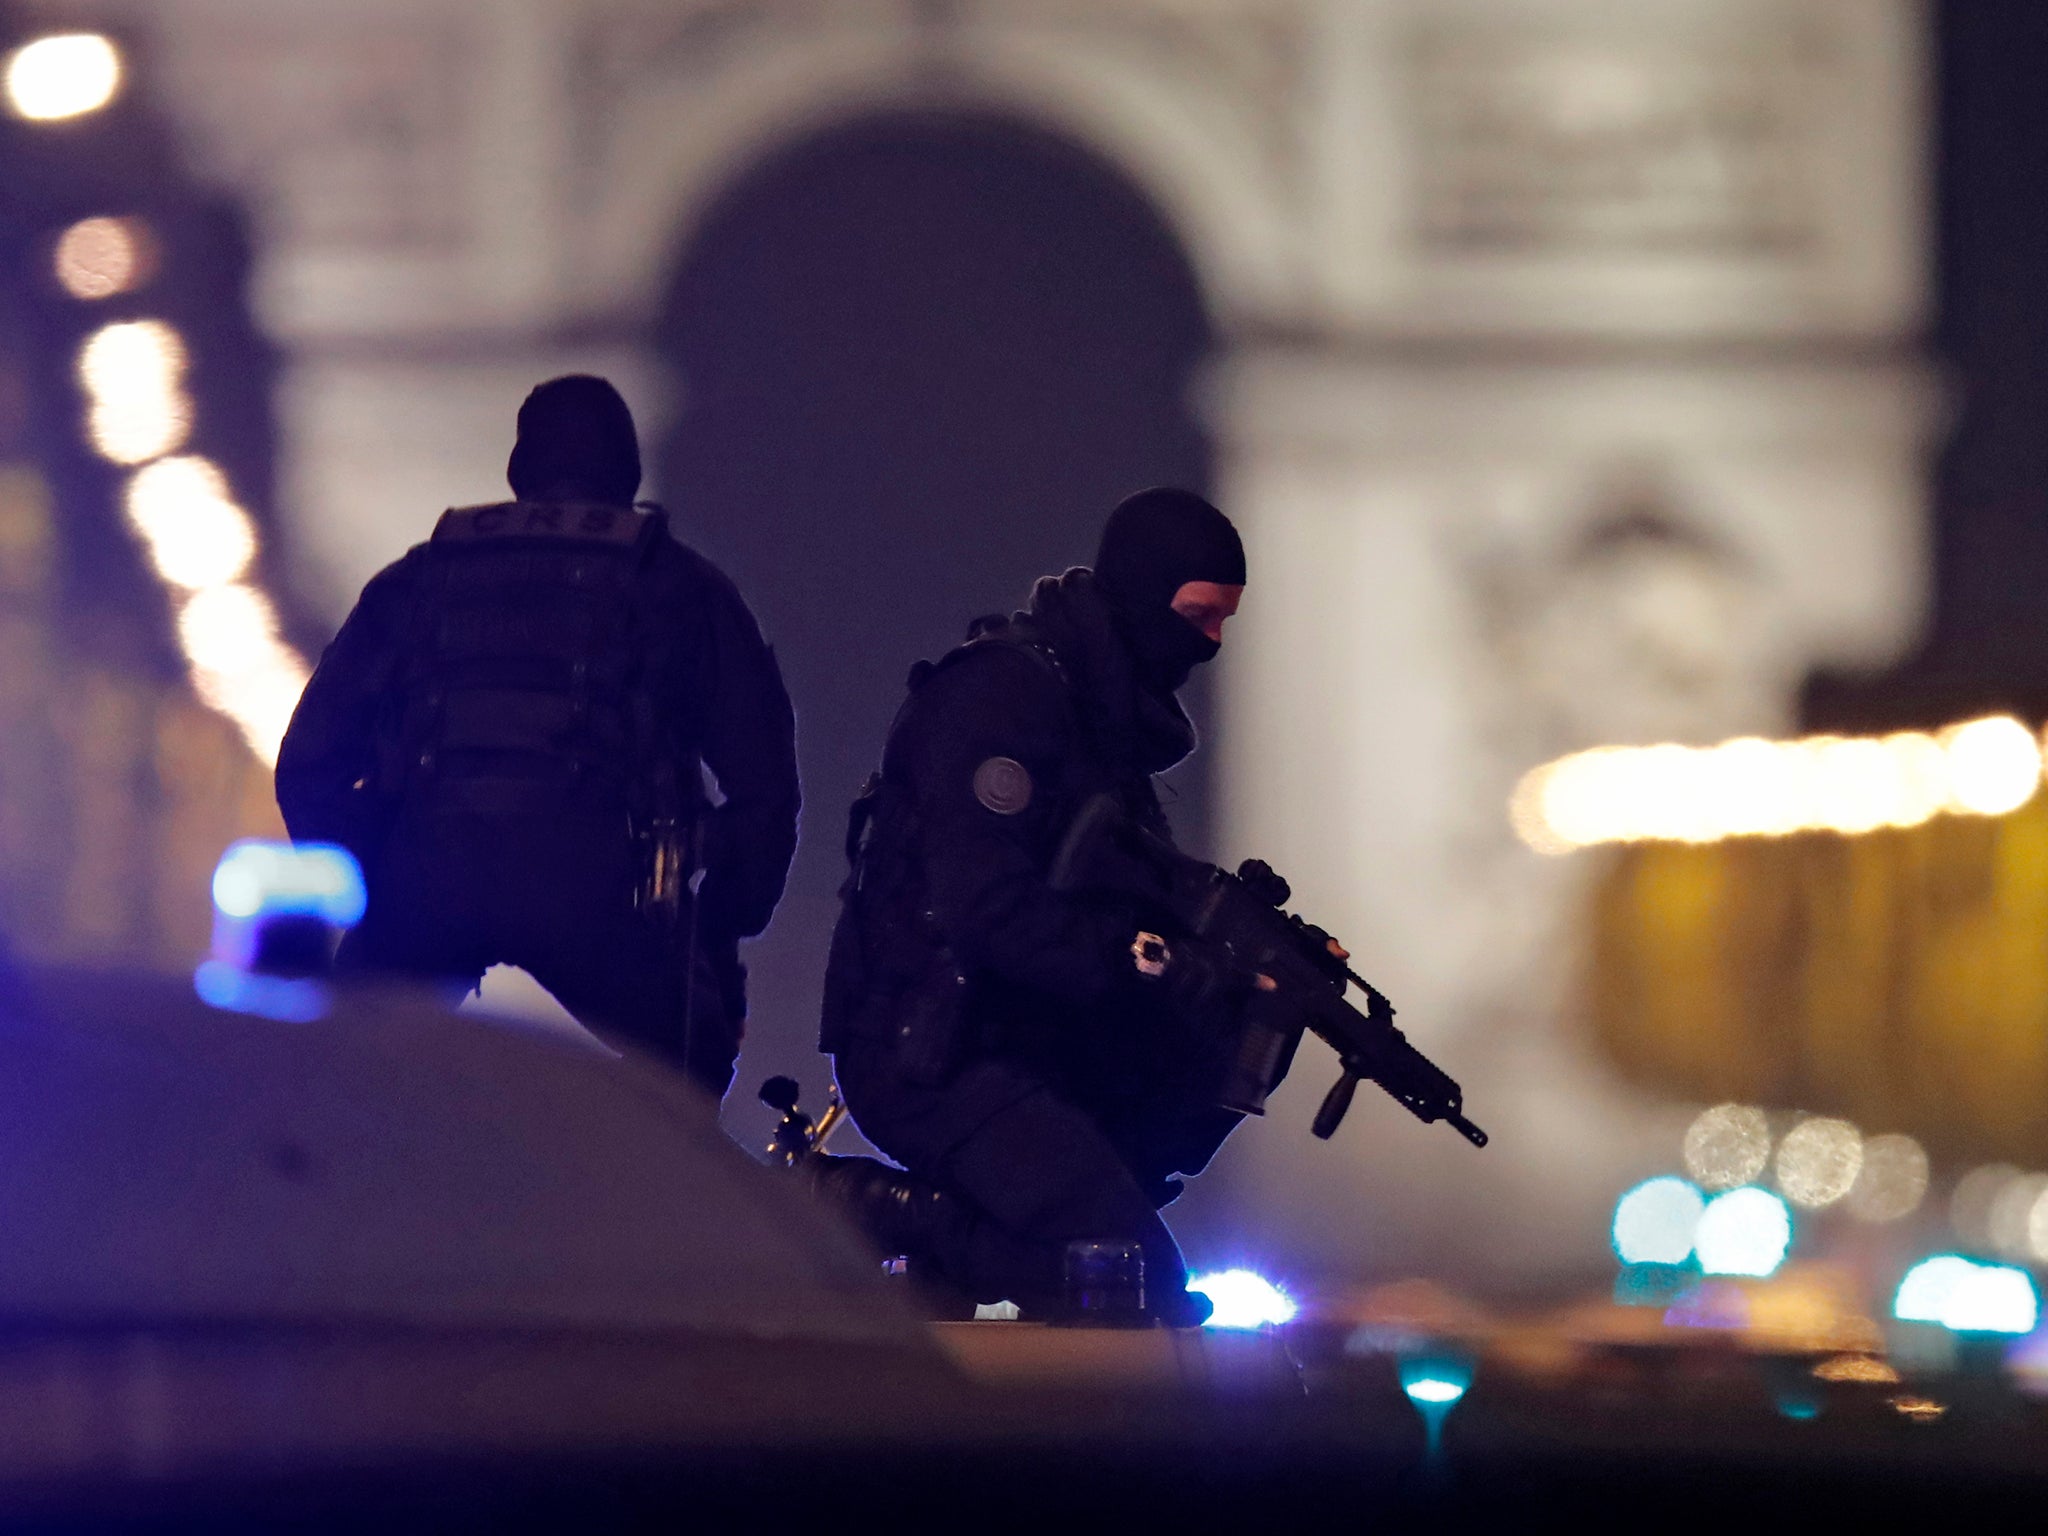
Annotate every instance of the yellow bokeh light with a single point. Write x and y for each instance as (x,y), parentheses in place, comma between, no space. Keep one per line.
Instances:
(1750,787)
(100,257)
(1818,1162)
(65,75)
(1727,1145)
(1864,1370)
(133,373)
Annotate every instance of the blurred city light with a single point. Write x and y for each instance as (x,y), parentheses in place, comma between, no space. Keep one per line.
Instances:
(1243,1299)
(1654,1223)
(1434,1389)
(1965,1296)
(224,629)
(1726,1146)
(64,75)
(1893,1180)
(196,535)
(1435,1380)
(288,999)
(1994,765)
(2037,1230)
(100,257)
(1862,1370)
(1921,1410)
(1744,1232)
(2009,1222)
(260,878)
(239,665)
(1970,1202)
(1818,1162)
(199,539)
(1750,787)
(133,372)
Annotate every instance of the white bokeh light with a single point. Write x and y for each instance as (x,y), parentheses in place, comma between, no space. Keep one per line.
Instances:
(196,535)
(65,75)
(1243,1299)
(1893,1180)
(1654,1222)
(1749,787)
(1727,1145)
(1994,765)
(1818,1162)
(1744,1232)
(133,373)
(100,257)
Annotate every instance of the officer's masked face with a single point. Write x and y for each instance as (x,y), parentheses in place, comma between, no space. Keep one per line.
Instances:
(1207,605)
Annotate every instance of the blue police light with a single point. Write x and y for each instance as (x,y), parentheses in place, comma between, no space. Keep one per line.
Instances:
(289,1000)
(1746,1231)
(1654,1223)
(1243,1299)
(277,908)
(257,879)
(1965,1296)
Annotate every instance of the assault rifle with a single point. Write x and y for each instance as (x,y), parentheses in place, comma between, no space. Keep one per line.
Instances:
(1240,916)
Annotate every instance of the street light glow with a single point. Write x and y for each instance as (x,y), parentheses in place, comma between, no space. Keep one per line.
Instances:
(65,75)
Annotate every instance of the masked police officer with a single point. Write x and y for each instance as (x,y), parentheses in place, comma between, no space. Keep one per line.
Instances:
(511,731)
(1021,1051)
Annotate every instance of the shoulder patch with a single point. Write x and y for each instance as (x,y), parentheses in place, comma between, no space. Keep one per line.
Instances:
(1003,785)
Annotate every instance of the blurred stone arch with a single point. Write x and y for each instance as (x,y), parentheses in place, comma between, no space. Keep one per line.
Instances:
(675,132)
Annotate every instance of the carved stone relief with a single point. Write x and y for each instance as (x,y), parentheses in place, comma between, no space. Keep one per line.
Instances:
(1566,144)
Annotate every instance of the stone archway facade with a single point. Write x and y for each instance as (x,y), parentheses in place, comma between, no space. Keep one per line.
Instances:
(1480,268)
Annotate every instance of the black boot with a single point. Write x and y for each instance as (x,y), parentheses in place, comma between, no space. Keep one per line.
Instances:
(901,1215)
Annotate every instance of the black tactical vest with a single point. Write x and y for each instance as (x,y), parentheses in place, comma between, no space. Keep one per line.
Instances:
(539,668)
(889,971)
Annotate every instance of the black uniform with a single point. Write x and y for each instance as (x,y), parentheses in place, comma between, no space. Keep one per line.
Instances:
(510,730)
(991,1034)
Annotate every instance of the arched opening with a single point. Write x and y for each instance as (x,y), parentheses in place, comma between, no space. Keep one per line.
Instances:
(920,355)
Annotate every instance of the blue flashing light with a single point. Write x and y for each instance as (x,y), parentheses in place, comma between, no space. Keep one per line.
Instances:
(289,1000)
(1243,1299)
(1966,1296)
(256,878)
(1654,1223)
(1746,1231)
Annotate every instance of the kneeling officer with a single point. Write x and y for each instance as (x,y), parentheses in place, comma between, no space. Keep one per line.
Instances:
(1022,1051)
(510,733)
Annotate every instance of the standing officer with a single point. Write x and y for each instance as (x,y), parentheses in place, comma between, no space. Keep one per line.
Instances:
(1022,1051)
(511,734)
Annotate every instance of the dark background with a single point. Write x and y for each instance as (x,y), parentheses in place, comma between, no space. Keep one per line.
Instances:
(921,357)
(1987,648)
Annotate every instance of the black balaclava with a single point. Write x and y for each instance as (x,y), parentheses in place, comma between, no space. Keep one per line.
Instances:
(575,439)
(1155,543)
